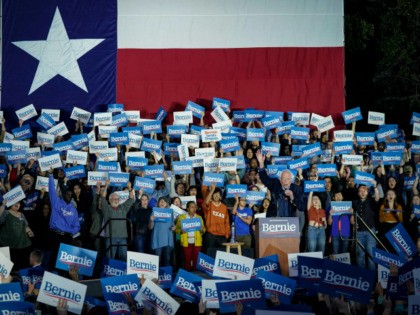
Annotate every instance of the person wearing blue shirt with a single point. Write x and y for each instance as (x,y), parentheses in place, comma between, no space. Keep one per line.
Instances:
(242,217)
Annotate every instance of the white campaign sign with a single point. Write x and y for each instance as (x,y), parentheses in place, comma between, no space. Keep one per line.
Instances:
(154,296)
(53,113)
(143,265)
(325,124)
(6,265)
(209,135)
(343,135)
(375,118)
(14,195)
(219,115)
(223,126)
(231,266)
(48,162)
(5,251)
(133,116)
(42,183)
(205,153)
(183,118)
(26,113)
(209,292)
(58,130)
(80,114)
(293,261)
(352,159)
(228,164)
(78,157)
(97,177)
(102,119)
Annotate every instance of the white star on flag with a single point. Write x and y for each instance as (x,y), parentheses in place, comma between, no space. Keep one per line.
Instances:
(58,55)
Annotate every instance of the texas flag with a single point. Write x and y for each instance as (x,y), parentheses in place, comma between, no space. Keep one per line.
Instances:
(284,55)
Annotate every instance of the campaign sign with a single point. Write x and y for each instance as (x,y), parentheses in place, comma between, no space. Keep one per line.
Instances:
(343,135)
(300,118)
(344,147)
(190,140)
(239,132)
(352,159)
(120,138)
(210,135)
(216,178)
(102,119)
(153,171)
(299,133)
(183,118)
(210,164)
(416,211)
(114,108)
(45,121)
(20,144)
(14,195)
(249,293)
(117,179)
(136,163)
(152,296)
(197,110)
(133,116)
(395,146)
(3,170)
(114,288)
(235,189)
(293,261)
(110,154)
(143,265)
(375,118)
(205,264)
(231,266)
(354,283)
(351,115)
(270,148)
(229,145)
(415,147)
(209,293)
(22,133)
(147,185)
(97,177)
(252,115)
(386,132)
(365,138)
(26,112)
(5,147)
(161,114)
(134,140)
(18,307)
(219,115)
(152,126)
(33,153)
(363,178)
(175,131)
(390,158)
(113,267)
(298,163)
(415,118)
(6,265)
(102,166)
(255,134)
(311,150)
(54,288)
(285,127)
(80,114)
(224,104)
(58,130)
(309,271)
(42,183)
(69,255)
(279,227)
(14,157)
(274,171)
(384,258)
(64,146)
(340,207)
(150,145)
(191,224)
(413,304)
(76,157)
(326,170)
(283,286)
(268,263)
(416,129)
(96,146)
(314,186)
(185,286)
(228,164)
(401,241)
(325,124)
(271,122)
(162,214)
(409,182)
(165,277)
(255,197)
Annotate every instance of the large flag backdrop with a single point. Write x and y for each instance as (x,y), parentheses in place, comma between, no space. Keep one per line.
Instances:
(275,54)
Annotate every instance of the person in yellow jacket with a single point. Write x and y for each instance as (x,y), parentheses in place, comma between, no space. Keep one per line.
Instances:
(190,241)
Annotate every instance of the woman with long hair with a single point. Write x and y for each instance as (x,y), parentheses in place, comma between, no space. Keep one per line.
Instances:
(390,214)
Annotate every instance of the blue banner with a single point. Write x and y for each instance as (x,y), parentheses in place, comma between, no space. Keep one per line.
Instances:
(416,211)
(390,158)
(345,147)
(235,189)
(209,178)
(311,150)
(165,277)
(31,198)
(120,138)
(182,167)
(163,214)
(248,292)
(185,286)
(268,263)
(224,104)
(102,166)
(354,283)
(255,134)
(299,133)
(113,267)
(384,258)
(309,272)
(314,186)
(45,121)
(270,147)
(118,179)
(352,115)
(149,127)
(401,241)
(197,110)
(154,171)
(114,288)
(83,258)
(326,170)
(205,264)
(230,145)
(365,138)
(298,163)
(161,114)
(363,178)
(147,185)
(282,286)
(22,133)
(175,131)
(136,163)
(150,145)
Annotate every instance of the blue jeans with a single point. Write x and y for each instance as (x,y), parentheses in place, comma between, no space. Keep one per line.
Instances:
(368,242)
(114,251)
(340,246)
(140,243)
(164,254)
(315,239)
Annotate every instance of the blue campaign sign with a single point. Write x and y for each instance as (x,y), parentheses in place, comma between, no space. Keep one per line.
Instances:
(282,159)
(351,115)
(170,148)
(117,179)
(390,158)
(147,185)
(31,198)
(415,118)
(162,214)
(299,133)
(401,241)
(165,277)
(19,307)
(185,286)
(297,150)
(182,167)
(14,157)
(314,186)
(191,224)
(311,150)
(113,267)
(5,147)
(175,131)
(270,147)
(283,286)
(22,133)
(154,171)
(384,258)
(249,292)
(83,258)
(235,189)
(79,141)
(309,272)
(344,147)
(340,207)
(197,110)
(114,288)
(239,132)
(161,114)
(205,264)
(395,146)
(120,120)
(136,163)
(415,146)
(195,130)
(363,178)
(274,114)
(274,171)
(45,121)
(255,197)
(3,170)
(49,153)
(298,163)
(91,302)
(365,138)
(63,146)
(217,178)
(238,116)
(416,211)
(230,145)
(253,115)
(326,170)
(150,145)
(120,138)
(224,104)
(102,166)
(255,134)
(135,130)
(152,126)
(10,292)
(409,182)
(386,132)
(268,263)
(115,108)
(285,127)
(354,283)
(271,122)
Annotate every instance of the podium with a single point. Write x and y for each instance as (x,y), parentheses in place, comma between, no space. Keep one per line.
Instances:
(277,236)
